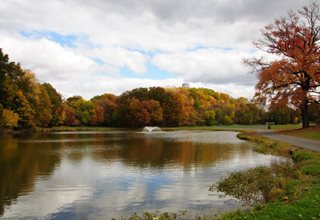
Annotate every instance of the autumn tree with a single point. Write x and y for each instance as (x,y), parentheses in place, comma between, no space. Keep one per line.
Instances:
(171,109)
(225,109)
(9,119)
(104,109)
(203,102)
(56,104)
(294,76)
(25,111)
(83,109)
(43,107)
(69,117)
(282,114)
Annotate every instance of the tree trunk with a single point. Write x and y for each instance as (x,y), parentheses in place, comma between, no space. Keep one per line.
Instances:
(305,114)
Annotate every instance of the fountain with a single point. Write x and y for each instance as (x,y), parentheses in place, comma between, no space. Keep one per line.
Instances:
(151,128)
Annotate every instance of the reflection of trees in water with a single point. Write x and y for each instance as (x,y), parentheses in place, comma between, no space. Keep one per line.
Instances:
(158,152)
(20,164)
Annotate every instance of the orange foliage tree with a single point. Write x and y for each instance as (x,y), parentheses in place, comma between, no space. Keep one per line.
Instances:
(293,78)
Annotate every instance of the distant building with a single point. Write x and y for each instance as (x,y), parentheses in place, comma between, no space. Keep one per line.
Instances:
(185,85)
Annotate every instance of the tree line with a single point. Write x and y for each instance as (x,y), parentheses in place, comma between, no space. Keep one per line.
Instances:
(25,103)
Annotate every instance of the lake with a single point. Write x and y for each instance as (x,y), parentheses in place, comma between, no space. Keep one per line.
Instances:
(100,175)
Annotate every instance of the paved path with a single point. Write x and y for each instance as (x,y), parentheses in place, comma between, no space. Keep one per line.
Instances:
(296,141)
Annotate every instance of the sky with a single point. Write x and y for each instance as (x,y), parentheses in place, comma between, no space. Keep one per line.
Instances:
(93,47)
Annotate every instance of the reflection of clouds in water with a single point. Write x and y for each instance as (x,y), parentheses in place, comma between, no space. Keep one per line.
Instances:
(247,160)
(115,188)
(45,200)
(87,186)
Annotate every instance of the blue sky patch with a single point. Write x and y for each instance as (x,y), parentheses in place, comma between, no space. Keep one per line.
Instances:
(68,40)
(98,60)
(153,72)
(201,47)
(149,53)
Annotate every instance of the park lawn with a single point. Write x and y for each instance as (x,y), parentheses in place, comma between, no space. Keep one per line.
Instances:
(285,127)
(236,127)
(309,133)
(76,128)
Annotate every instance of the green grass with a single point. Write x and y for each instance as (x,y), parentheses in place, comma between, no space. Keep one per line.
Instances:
(82,128)
(307,207)
(266,145)
(304,204)
(312,133)
(286,127)
(236,127)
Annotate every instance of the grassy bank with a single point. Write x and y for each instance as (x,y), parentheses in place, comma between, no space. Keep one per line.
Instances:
(80,128)
(300,193)
(266,145)
(300,198)
(312,133)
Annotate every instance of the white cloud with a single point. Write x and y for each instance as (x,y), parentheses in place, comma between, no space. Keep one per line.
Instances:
(46,58)
(218,66)
(126,33)
(91,85)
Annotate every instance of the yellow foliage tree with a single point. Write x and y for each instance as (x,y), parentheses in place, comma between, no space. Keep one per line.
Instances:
(9,119)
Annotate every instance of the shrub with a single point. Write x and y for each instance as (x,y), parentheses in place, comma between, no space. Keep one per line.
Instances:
(261,184)
(301,155)
(250,186)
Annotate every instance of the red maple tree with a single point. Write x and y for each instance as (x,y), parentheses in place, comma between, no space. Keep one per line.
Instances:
(293,76)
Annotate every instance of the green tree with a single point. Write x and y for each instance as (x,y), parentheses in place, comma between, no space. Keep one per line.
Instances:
(8,87)
(83,109)
(25,111)
(210,118)
(1,117)
(245,112)
(43,108)
(225,109)
(314,113)
(56,104)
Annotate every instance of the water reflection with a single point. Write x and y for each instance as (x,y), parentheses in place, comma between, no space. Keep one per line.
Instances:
(19,167)
(98,175)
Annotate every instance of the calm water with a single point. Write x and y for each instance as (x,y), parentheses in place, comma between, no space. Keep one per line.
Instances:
(92,175)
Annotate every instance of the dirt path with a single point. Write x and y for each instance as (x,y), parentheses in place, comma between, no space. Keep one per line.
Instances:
(296,141)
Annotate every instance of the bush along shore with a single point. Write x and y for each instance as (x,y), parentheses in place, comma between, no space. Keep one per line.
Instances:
(288,190)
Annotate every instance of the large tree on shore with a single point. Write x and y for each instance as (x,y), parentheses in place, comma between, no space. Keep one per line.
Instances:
(293,76)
